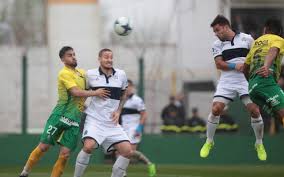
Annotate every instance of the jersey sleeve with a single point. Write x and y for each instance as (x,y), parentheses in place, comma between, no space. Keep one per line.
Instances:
(248,58)
(278,43)
(124,81)
(84,75)
(216,49)
(250,41)
(67,79)
(87,80)
(141,105)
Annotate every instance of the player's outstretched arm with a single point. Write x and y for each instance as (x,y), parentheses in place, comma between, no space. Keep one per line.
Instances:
(222,65)
(102,93)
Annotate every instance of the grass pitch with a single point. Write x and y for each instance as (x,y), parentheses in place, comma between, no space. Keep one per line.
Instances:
(163,171)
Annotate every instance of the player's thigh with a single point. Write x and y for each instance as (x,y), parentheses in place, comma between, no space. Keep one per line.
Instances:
(134,146)
(242,89)
(278,101)
(260,96)
(53,129)
(93,133)
(115,137)
(69,137)
(227,91)
(124,148)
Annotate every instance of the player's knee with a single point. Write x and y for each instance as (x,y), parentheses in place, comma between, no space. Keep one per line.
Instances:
(254,110)
(255,113)
(89,145)
(127,152)
(65,155)
(43,147)
(65,152)
(216,110)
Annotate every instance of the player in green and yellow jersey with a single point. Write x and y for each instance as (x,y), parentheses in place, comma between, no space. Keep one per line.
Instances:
(62,126)
(262,69)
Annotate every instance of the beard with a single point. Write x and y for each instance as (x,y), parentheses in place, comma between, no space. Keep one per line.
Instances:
(74,64)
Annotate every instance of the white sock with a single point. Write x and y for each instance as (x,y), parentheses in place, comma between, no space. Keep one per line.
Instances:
(257,125)
(119,167)
(24,172)
(82,162)
(212,124)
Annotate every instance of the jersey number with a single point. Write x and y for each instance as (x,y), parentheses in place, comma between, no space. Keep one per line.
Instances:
(51,130)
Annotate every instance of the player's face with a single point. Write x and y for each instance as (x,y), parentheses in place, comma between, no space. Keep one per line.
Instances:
(130,90)
(106,60)
(221,31)
(69,59)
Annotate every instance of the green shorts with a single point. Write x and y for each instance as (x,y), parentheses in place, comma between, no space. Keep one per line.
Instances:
(267,95)
(62,130)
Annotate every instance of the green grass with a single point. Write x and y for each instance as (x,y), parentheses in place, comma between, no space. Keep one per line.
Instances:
(163,171)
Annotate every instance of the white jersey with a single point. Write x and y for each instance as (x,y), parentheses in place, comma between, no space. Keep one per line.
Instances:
(131,111)
(131,117)
(234,51)
(101,109)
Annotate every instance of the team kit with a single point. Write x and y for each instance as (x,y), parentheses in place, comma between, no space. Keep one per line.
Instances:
(116,115)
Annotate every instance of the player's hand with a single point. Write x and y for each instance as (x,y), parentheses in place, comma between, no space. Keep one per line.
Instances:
(102,93)
(115,116)
(139,130)
(263,71)
(239,67)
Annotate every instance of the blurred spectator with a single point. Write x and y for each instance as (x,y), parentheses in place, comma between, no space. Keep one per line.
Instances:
(172,116)
(195,124)
(179,102)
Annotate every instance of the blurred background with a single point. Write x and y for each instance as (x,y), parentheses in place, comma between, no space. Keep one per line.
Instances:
(167,55)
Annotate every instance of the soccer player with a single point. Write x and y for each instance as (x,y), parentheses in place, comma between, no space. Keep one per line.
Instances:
(62,126)
(133,119)
(262,69)
(101,126)
(229,52)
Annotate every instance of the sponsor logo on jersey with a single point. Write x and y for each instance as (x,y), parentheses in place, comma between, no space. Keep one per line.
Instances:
(273,100)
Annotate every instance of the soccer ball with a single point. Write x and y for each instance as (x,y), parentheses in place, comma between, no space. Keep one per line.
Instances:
(122,26)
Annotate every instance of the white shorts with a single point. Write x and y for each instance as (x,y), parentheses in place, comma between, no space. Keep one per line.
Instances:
(106,135)
(131,132)
(227,92)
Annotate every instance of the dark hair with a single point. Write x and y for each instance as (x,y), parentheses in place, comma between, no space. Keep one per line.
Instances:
(274,26)
(104,50)
(194,110)
(63,50)
(220,20)
(130,82)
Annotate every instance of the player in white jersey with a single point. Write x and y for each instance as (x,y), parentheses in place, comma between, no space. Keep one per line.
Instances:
(133,119)
(229,53)
(101,126)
